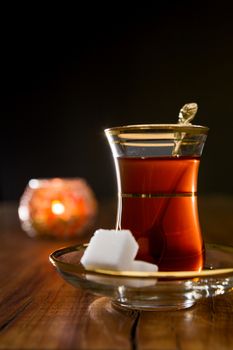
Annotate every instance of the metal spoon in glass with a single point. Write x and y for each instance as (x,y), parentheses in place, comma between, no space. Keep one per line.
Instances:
(186,114)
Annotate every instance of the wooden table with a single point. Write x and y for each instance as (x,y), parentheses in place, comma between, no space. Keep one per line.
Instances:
(39,310)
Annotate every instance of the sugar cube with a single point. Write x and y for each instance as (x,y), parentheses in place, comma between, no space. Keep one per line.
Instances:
(142,266)
(110,249)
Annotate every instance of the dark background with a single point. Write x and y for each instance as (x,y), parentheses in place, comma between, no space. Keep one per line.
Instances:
(69,73)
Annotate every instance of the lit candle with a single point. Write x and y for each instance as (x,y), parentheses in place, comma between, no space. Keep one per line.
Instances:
(60,208)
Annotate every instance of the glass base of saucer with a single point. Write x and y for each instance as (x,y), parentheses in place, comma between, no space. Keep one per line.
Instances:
(153,306)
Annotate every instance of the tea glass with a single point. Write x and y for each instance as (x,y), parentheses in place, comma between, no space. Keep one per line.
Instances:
(156,170)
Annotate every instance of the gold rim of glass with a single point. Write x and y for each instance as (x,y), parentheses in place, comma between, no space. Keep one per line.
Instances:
(193,129)
(77,267)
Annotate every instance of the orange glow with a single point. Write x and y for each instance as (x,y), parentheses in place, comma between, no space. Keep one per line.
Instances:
(57,207)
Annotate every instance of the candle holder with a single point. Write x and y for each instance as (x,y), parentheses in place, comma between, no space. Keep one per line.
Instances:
(59,208)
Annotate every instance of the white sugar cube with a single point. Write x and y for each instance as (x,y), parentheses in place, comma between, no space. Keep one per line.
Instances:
(142,266)
(110,249)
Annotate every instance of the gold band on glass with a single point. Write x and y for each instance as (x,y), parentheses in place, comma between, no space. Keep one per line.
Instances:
(157,195)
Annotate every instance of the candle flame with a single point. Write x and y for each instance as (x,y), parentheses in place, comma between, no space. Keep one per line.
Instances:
(57,207)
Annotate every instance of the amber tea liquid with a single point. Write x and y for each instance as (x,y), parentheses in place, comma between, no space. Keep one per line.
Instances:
(158,203)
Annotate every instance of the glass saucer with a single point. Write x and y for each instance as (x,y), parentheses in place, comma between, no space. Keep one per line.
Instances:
(150,290)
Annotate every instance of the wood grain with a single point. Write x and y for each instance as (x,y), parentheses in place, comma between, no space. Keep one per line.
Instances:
(38,310)
(207,325)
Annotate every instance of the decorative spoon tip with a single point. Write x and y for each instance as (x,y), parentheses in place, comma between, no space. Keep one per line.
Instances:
(187,113)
